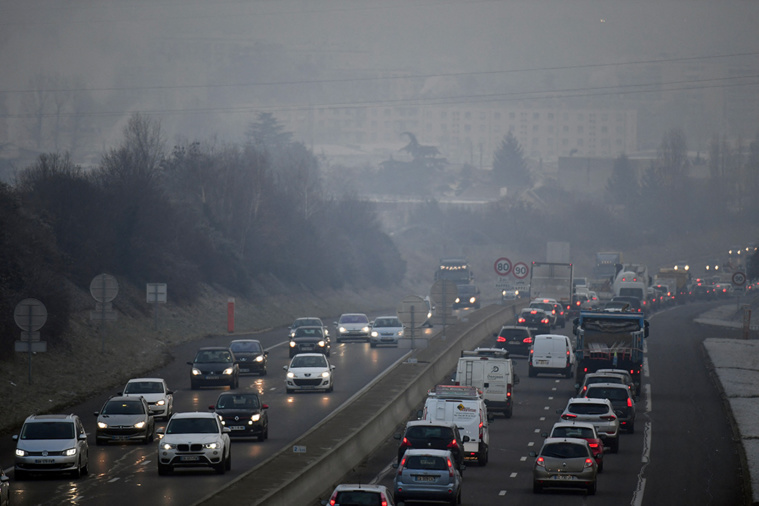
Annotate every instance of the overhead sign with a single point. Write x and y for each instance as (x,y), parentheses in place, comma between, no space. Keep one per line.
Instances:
(739,278)
(502,266)
(521,270)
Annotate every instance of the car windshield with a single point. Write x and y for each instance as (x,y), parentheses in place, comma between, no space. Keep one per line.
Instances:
(48,430)
(420,432)
(589,409)
(192,426)
(579,432)
(306,322)
(387,322)
(358,498)
(613,394)
(467,289)
(308,332)
(217,356)
(123,408)
(238,401)
(603,379)
(426,462)
(309,361)
(542,305)
(513,333)
(246,347)
(144,387)
(354,318)
(564,451)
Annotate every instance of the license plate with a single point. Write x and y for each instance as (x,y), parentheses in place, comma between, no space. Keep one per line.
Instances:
(189,458)
(541,362)
(44,461)
(306,387)
(424,478)
(244,369)
(567,477)
(237,427)
(209,377)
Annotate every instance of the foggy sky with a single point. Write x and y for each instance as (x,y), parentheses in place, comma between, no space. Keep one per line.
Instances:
(103,43)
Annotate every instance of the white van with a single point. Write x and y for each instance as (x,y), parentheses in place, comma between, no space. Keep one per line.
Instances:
(464,406)
(490,370)
(551,354)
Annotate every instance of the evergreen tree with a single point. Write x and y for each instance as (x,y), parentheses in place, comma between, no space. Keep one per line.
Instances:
(509,164)
(622,187)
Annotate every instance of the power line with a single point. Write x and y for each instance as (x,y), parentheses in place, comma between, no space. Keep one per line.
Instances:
(380,78)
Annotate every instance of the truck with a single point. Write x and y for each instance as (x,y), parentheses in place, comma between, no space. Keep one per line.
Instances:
(681,279)
(552,280)
(606,265)
(455,269)
(609,341)
(490,370)
(631,284)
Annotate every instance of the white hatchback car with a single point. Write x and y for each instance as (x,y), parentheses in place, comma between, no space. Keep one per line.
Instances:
(385,330)
(600,413)
(309,371)
(194,439)
(155,391)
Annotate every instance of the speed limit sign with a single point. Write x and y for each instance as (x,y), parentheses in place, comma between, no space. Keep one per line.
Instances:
(521,270)
(502,266)
(739,278)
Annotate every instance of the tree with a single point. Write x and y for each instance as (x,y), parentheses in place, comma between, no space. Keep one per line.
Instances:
(509,164)
(267,134)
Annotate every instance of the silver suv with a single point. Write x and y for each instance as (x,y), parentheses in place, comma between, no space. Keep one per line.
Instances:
(51,444)
(194,439)
(600,413)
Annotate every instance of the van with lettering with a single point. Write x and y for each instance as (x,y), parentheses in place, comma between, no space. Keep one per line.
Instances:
(464,406)
(490,370)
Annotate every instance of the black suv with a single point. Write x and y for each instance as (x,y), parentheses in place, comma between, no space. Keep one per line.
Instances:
(309,340)
(514,339)
(434,435)
(243,413)
(535,319)
(214,366)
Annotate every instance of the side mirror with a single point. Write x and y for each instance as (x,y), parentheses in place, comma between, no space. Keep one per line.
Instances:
(96,413)
(264,406)
(397,436)
(395,465)
(160,431)
(559,411)
(284,367)
(419,414)
(332,367)
(544,434)
(532,454)
(189,363)
(212,407)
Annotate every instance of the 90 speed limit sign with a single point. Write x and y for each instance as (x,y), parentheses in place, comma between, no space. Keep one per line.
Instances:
(503,266)
(521,270)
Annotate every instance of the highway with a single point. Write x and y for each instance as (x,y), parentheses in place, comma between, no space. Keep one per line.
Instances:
(682,452)
(126,474)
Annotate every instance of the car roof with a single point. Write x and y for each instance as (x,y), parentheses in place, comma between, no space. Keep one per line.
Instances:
(609,385)
(520,327)
(342,487)
(431,423)
(613,371)
(573,440)
(125,398)
(531,309)
(589,400)
(388,316)
(206,348)
(195,414)
(50,417)
(245,341)
(573,423)
(146,379)
(429,451)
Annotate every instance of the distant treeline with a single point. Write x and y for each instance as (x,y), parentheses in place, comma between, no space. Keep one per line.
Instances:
(228,215)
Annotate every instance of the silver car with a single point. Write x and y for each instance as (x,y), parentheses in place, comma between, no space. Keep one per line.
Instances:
(123,419)
(51,443)
(600,413)
(353,326)
(621,400)
(564,462)
(385,330)
(428,475)
(155,390)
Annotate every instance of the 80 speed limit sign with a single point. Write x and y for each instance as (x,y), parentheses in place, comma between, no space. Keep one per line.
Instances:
(503,266)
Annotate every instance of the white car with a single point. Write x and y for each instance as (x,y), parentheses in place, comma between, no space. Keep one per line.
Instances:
(194,439)
(51,444)
(155,391)
(352,326)
(385,330)
(309,371)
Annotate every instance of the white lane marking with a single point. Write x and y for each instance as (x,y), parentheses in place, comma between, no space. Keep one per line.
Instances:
(537,430)
(542,419)
(645,367)
(502,492)
(146,462)
(513,475)
(547,407)
(637,499)
(522,459)
(647,389)
(646,456)
(113,479)
(550,398)
(531,443)
(554,389)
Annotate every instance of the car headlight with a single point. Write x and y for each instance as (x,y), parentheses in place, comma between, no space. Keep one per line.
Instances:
(472,300)
(196,371)
(212,446)
(256,417)
(293,344)
(20,453)
(70,452)
(292,334)
(290,375)
(228,370)
(457,300)
(341,330)
(375,333)
(102,425)
(162,402)
(139,425)
(260,358)
(168,446)
(325,374)
(400,333)
(322,344)
(364,329)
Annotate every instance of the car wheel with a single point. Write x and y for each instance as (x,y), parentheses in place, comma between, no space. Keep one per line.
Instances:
(193,386)
(228,462)
(331,387)
(631,427)
(592,488)
(531,372)
(77,473)
(86,468)
(536,487)
(19,475)
(508,412)
(289,390)
(221,467)
(263,372)
(262,436)
(568,373)
(601,466)
(482,458)
(99,442)
(164,469)
(373,345)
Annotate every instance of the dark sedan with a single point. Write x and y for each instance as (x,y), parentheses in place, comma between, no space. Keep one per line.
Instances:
(214,366)
(309,340)
(251,356)
(243,413)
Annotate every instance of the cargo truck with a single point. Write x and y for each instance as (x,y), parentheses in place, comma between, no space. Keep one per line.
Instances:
(551,280)
(609,341)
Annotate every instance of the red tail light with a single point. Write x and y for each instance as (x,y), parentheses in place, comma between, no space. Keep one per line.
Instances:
(405,443)
(541,462)
(452,444)
(589,462)
(521,320)
(527,340)
(629,402)
(593,445)
(450,468)
(567,416)
(609,417)
(501,339)
(508,390)
(400,468)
